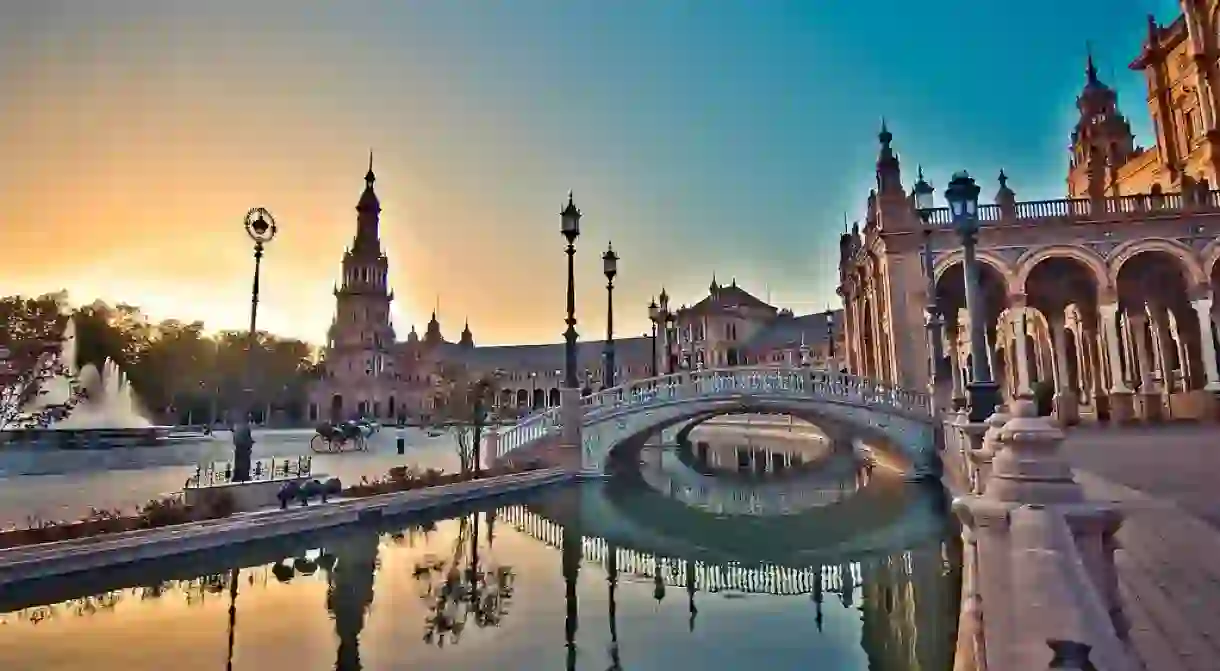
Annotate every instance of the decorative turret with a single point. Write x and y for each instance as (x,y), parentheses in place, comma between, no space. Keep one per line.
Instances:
(368,213)
(413,337)
(714,287)
(432,335)
(467,340)
(1101,141)
(889,172)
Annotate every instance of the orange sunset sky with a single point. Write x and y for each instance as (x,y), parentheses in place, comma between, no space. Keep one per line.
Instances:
(700,137)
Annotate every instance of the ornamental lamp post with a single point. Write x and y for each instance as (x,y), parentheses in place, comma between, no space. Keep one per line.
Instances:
(569,220)
(671,332)
(261,228)
(830,342)
(924,205)
(610,269)
(654,314)
(983,392)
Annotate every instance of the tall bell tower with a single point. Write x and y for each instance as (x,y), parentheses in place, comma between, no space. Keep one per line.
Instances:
(361,335)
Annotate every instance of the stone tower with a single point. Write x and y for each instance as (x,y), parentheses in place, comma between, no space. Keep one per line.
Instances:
(361,335)
(1101,141)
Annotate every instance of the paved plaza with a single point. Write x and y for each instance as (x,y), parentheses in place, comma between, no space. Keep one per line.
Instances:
(1169,577)
(66,484)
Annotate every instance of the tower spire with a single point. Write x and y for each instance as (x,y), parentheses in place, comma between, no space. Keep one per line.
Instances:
(369,177)
(1090,69)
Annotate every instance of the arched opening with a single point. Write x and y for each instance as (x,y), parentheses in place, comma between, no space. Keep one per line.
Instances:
(954,373)
(553,398)
(1065,291)
(336,408)
(389,408)
(362,409)
(1160,334)
(539,399)
(523,398)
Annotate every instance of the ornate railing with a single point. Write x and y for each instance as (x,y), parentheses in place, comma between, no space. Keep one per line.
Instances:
(1082,208)
(533,427)
(763,579)
(261,470)
(802,383)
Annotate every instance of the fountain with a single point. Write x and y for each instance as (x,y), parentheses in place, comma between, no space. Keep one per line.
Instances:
(108,415)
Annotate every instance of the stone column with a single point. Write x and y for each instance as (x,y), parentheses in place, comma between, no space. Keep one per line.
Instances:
(959,386)
(1066,410)
(1150,395)
(1097,378)
(571,413)
(1203,310)
(1020,328)
(1121,403)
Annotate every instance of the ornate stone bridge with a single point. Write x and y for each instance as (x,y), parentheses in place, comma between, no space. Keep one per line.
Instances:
(600,423)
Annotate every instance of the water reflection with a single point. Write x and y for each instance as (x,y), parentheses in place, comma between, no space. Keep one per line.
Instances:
(461,586)
(841,587)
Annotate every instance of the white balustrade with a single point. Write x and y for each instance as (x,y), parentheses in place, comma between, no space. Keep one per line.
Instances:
(643,566)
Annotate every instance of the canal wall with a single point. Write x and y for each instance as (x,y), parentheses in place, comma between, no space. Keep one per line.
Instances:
(47,560)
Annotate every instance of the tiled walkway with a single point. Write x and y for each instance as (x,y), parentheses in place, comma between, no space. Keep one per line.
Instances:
(1165,480)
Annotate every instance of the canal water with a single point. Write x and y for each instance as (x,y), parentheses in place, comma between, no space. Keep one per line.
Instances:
(827,563)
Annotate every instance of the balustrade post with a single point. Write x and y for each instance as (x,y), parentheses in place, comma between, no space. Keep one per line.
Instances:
(492,437)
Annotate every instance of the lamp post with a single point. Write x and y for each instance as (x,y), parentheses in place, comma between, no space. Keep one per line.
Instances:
(830,341)
(653,314)
(670,333)
(923,206)
(610,269)
(569,220)
(261,228)
(983,392)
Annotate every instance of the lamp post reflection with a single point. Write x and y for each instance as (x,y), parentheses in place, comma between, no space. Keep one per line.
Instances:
(571,571)
(616,663)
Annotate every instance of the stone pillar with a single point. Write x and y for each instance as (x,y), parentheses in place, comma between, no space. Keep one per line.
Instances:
(491,446)
(955,361)
(1019,330)
(1028,468)
(1097,374)
(1066,410)
(1203,310)
(982,458)
(1150,395)
(571,414)
(1122,408)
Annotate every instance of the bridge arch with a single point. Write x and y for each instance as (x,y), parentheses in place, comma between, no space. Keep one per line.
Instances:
(912,441)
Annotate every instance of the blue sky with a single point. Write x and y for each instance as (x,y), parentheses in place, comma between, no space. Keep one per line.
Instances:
(717,136)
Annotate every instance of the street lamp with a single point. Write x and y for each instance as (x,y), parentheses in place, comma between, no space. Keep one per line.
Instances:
(261,228)
(610,269)
(924,206)
(653,314)
(569,220)
(983,392)
(671,332)
(830,341)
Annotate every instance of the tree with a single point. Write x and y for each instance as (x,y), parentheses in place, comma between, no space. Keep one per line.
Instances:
(30,368)
(461,402)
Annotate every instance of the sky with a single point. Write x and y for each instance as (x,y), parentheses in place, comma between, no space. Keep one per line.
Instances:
(726,137)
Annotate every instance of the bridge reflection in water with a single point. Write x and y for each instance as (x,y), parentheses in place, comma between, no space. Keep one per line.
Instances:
(876,571)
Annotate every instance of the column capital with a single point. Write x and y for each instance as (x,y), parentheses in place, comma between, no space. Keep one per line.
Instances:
(1017,300)
(1200,291)
(1108,307)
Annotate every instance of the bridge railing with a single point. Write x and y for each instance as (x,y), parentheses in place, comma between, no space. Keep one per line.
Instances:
(528,430)
(756,379)
(742,380)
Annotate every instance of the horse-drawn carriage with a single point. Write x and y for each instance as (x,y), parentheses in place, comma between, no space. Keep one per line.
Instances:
(350,436)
